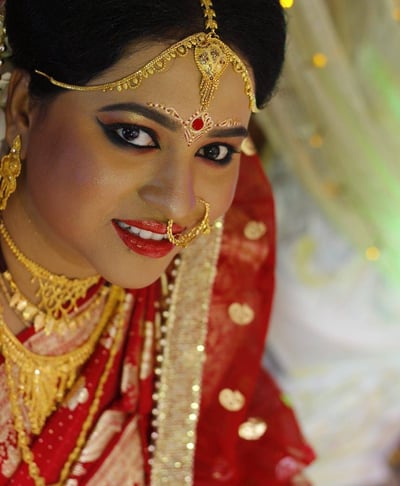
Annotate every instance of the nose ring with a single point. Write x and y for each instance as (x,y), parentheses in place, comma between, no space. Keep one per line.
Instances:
(202,228)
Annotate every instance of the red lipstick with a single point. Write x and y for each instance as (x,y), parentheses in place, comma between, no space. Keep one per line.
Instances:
(153,248)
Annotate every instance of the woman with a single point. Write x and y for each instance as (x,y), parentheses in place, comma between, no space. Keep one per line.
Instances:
(123,158)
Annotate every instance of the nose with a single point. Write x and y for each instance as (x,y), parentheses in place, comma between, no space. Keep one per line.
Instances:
(171,191)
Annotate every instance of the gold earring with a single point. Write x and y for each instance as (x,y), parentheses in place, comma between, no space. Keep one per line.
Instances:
(184,239)
(10,168)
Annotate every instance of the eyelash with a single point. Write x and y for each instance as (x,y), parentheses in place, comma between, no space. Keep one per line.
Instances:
(112,132)
(222,162)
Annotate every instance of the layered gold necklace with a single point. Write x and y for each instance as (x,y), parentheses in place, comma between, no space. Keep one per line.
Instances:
(43,380)
(39,383)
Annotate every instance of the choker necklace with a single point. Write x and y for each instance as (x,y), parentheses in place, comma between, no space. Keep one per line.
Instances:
(29,313)
(58,295)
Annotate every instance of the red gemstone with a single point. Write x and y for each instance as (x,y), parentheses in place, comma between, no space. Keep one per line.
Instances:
(197,124)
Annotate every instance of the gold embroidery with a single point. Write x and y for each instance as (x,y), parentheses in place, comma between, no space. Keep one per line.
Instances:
(13,458)
(129,377)
(78,394)
(254,230)
(241,314)
(109,424)
(146,365)
(124,465)
(252,429)
(231,400)
(180,383)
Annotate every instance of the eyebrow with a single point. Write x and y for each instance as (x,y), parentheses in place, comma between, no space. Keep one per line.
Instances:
(239,131)
(146,111)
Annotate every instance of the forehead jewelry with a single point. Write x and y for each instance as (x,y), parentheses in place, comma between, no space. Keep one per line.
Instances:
(197,124)
(211,55)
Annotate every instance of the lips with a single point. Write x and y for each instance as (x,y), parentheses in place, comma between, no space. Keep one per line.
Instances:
(148,238)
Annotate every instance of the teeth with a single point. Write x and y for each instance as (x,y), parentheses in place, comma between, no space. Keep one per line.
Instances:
(145,234)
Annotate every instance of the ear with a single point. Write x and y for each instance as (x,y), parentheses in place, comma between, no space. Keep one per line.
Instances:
(18,109)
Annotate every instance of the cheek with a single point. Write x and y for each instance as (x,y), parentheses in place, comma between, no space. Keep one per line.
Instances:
(224,192)
(66,161)
(65,180)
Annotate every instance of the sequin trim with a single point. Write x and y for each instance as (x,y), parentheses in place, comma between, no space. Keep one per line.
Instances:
(180,383)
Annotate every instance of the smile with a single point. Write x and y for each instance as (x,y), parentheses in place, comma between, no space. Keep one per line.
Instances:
(146,238)
(142,233)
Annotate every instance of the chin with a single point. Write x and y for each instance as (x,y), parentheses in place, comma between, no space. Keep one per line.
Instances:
(136,276)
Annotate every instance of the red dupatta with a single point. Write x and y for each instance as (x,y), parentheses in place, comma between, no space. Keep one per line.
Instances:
(246,433)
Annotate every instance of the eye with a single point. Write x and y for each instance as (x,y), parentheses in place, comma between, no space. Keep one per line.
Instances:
(218,153)
(133,135)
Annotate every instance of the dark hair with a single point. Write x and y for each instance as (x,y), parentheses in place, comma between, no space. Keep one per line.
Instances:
(75,40)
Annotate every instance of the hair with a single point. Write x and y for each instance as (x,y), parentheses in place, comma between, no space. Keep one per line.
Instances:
(76,40)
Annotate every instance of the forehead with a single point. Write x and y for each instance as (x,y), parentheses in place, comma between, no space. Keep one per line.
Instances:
(178,86)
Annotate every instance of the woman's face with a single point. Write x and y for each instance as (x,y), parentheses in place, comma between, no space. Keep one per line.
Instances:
(104,172)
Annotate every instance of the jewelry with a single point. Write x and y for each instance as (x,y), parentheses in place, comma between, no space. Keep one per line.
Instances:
(197,124)
(30,313)
(211,55)
(10,168)
(58,294)
(43,380)
(184,239)
(115,311)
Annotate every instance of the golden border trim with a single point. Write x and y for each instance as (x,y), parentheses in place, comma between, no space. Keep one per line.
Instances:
(182,366)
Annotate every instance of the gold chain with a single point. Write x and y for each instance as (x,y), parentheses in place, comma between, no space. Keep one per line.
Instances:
(118,303)
(58,294)
(212,57)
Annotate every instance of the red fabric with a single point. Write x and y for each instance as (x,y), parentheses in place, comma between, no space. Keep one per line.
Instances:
(246,276)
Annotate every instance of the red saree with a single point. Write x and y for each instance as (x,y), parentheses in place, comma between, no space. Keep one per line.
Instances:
(232,427)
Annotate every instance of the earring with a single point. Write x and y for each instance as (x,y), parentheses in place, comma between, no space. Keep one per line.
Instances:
(10,168)
(184,239)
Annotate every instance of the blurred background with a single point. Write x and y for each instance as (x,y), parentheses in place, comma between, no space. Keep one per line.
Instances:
(330,141)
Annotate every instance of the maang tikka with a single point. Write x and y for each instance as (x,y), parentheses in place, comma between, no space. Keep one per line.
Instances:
(10,168)
(211,55)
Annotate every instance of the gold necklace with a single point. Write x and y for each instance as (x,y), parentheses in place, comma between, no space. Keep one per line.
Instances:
(117,306)
(57,294)
(30,313)
(43,380)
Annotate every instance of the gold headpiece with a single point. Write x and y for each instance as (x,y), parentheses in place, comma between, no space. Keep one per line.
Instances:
(212,57)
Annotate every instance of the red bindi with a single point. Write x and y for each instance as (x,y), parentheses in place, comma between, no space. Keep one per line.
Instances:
(197,124)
